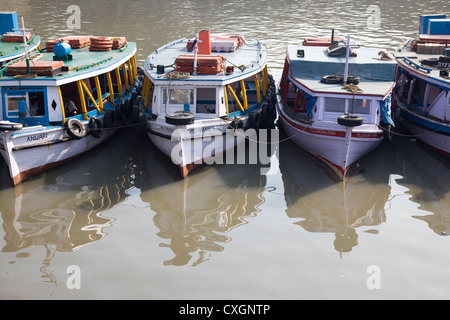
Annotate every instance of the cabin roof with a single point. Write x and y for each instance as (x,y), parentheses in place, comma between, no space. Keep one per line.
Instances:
(12,50)
(84,63)
(376,76)
(252,54)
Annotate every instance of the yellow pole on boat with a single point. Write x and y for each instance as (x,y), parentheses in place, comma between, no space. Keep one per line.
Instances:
(146,89)
(130,74)
(99,94)
(82,98)
(110,88)
(90,95)
(133,61)
(125,74)
(236,98)
(265,80)
(119,83)
(244,94)
(258,92)
(62,105)
(226,98)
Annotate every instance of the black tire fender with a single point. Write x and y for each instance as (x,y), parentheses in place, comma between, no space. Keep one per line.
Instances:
(75,128)
(95,127)
(350,120)
(180,118)
(110,118)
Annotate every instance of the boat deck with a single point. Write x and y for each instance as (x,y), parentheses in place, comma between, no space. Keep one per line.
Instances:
(252,55)
(412,60)
(13,50)
(376,76)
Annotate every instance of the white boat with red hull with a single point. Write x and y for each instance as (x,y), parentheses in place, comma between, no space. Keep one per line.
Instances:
(334,97)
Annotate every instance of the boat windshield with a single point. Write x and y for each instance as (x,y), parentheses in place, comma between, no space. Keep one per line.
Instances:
(354,106)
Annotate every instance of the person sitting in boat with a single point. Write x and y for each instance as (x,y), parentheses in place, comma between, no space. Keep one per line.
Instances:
(34,106)
(69,106)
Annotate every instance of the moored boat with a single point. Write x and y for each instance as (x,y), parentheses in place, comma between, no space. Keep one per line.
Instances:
(202,95)
(422,99)
(64,100)
(334,100)
(11,43)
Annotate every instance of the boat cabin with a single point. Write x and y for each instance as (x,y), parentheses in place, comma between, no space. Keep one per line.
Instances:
(218,82)
(312,87)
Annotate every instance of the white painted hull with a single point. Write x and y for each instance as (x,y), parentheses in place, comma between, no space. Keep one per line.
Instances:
(34,150)
(434,140)
(206,143)
(338,146)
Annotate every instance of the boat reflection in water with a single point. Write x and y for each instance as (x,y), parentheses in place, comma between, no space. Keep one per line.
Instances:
(195,215)
(426,174)
(62,209)
(324,204)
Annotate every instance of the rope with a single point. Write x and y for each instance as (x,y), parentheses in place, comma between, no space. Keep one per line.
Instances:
(412,135)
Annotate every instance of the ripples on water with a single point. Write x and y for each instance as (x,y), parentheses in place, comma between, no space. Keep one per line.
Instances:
(125,203)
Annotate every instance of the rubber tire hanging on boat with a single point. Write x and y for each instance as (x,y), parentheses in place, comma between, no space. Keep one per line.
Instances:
(349,120)
(120,111)
(335,79)
(180,118)
(75,128)
(95,127)
(111,118)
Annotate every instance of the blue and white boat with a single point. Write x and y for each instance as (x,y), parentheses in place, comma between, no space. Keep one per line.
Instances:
(197,91)
(63,100)
(422,92)
(334,99)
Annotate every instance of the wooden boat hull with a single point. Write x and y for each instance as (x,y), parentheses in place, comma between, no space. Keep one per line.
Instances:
(28,153)
(433,133)
(338,146)
(199,145)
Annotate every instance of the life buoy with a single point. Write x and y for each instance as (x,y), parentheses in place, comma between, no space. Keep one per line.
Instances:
(180,118)
(254,119)
(335,79)
(349,120)
(429,61)
(237,123)
(75,128)
(95,127)
(111,118)
(120,111)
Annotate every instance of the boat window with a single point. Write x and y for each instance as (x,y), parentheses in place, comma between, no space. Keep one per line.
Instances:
(13,105)
(34,102)
(206,100)
(179,96)
(360,106)
(434,92)
(335,105)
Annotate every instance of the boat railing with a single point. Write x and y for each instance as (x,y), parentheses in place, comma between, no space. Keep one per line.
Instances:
(417,66)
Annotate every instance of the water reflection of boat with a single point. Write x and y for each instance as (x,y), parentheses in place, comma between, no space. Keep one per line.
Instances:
(426,174)
(64,208)
(354,203)
(195,215)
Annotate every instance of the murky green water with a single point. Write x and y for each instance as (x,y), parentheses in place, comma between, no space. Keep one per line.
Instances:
(135,231)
